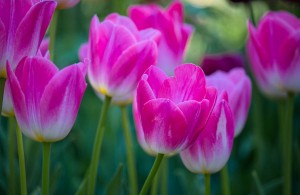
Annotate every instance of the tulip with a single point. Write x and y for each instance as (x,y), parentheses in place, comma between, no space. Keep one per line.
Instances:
(65,4)
(225,62)
(119,54)
(7,106)
(173,110)
(212,149)
(238,86)
(273,53)
(175,33)
(45,100)
(22,28)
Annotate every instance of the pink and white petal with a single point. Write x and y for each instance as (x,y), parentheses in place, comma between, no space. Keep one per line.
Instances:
(3,45)
(60,102)
(285,16)
(124,21)
(164,125)
(196,114)
(140,14)
(83,51)
(130,66)
(32,29)
(7,105)
(139,129)
(187,84)
(150,34)
(175,10)
(143,94)
(19,104)
(212,149)
(155,78)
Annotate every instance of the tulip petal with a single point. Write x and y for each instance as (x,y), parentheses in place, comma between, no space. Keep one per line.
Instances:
(3,43)
(164,125)
(187,84)
(32,29)
(155,78)
(130,66)
(150,34)
(7,105)
(144,93)
(212,149)
(19,104)
(196,115)
(60,102)
(83,52)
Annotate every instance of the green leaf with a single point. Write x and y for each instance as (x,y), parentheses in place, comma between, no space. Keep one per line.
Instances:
(115,185)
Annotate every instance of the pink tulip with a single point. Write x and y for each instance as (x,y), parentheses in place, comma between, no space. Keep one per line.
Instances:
(225,62)
(119,54)
(175,33)
(173,110)
(22,28)
(273,50)
(65,4)
(7,106)
(46,100)
(238,86)
(212,149)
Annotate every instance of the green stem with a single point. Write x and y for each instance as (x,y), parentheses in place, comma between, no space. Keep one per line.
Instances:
(97,146)
(21,162)
(251,11)
(207,183)
(155,183)
(152,173)
(288,141)
(2,84)
(225,181)
(46,168)
(164,177)
(130,152)
(11,156)
(53,34)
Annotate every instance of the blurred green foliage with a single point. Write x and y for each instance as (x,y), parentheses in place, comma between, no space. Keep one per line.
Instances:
(218,28)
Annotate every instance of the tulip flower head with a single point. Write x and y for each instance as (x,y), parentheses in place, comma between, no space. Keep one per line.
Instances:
(212,149)
(22,28)
(46,100)
(225,62)
(273,51)
(238,86)
(7,106)
(65,4)
(119,54)
(175,33)
(172,110)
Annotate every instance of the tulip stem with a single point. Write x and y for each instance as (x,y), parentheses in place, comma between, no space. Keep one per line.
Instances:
(52,34)
(287,145)
(225,181)
(11,156)
(207,183)
(21,162)
(130,152)
(97,146)
(155,183)
(164,177)
(2,84)
(46,167)
(152,173)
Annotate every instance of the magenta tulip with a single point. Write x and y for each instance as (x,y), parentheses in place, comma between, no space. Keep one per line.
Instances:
(212,149)
(22,28)
(173,110)
(46,100)
(273,51)
(225,62)
(7,106)
(175,33)
(119,54)
(65,4)
(239,88)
